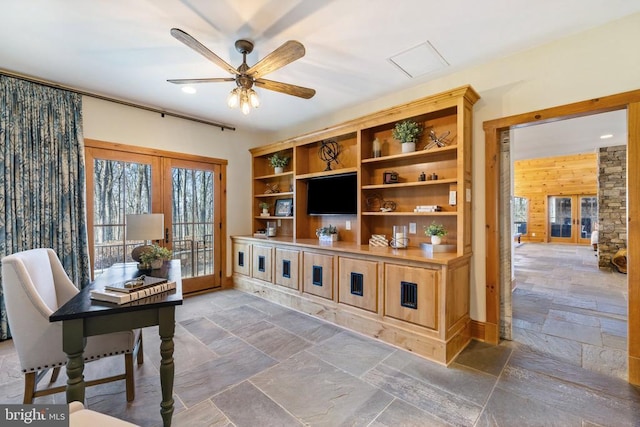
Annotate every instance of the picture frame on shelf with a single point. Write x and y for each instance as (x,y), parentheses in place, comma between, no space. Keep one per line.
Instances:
(284,207)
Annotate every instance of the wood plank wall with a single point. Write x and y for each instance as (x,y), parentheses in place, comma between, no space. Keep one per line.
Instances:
(536,179)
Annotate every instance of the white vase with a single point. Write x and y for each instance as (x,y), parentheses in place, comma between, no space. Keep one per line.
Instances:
(265,212)
(408,147)
(436,240)
(278,169)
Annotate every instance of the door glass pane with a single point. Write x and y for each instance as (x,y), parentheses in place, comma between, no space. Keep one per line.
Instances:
(520,215)
(588,215)
(192,219)
(120,188)
(560,216)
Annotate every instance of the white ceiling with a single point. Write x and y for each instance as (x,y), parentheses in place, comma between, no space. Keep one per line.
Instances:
(123,49)
(573,136)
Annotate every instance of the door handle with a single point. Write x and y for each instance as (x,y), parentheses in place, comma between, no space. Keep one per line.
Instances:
(166,235)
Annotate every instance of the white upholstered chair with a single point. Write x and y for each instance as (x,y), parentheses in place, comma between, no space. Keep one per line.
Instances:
(35,285)
(79,416)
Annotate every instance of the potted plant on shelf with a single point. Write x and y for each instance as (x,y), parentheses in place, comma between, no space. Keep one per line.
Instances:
(436,231)
(265,208)
(153,257)
(407,132)
(327,234)
(278,162)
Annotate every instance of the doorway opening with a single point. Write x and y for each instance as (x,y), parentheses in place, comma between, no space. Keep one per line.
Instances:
(498,243)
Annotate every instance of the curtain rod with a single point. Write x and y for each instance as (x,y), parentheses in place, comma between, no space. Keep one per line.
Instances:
(115,100)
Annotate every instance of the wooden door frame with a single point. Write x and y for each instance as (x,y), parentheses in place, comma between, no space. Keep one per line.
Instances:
(132,150)
(629,101)
(198,283)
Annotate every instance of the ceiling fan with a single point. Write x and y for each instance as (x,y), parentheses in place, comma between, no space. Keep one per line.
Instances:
(245,77)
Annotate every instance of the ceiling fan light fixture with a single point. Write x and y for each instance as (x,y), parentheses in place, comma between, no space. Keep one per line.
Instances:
(245,106)
(253,98)
(233,100)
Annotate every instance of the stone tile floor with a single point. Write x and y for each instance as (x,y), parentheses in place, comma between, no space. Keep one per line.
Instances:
(565,306)
(243,361)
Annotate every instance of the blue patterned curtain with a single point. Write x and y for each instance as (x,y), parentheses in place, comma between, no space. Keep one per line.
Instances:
(42,177)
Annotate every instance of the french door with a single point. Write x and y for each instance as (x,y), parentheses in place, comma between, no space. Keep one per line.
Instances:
(572,218)
(192,230)
(187,192)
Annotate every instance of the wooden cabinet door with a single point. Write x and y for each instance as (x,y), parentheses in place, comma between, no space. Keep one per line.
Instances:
(242,258)
(262,259)
(411,294)
(318,274)
(287,268)
(358,283)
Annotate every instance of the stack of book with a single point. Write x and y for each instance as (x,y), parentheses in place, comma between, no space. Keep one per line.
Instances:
(132,290)
(427,208)
(378,240)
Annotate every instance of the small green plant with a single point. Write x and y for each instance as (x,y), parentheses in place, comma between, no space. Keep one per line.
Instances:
(435,230)
(264,205)
(278,160)
(407,131)
(326,231)
(154,252)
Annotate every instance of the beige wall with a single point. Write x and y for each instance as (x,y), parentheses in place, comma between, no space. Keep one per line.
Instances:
(108,121)
(599,62)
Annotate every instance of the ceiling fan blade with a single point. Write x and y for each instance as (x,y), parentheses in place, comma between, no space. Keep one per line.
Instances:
(202,50)
(289,89)
(206,80)
(285,54)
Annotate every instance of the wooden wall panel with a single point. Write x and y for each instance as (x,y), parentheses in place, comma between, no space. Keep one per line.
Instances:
(535,179)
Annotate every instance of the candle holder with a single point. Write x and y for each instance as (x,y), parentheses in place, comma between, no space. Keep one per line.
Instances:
(400,238)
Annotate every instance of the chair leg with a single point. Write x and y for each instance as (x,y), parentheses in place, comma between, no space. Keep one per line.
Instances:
(129,380)
(54,374)
(29,387)
(140,356)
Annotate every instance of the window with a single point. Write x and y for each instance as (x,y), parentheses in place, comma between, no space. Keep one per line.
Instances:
(520,213)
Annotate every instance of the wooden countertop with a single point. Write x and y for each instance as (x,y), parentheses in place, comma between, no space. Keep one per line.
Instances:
(412,253)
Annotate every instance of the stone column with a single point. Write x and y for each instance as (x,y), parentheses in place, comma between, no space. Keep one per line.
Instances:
(612,203)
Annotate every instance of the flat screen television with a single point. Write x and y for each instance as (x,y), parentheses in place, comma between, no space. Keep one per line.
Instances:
(333,195)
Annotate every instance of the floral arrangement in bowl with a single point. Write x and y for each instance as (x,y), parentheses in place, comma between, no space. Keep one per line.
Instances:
(153,257)
(329,233)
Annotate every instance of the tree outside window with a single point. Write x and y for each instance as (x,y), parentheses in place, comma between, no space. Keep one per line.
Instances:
(520,213)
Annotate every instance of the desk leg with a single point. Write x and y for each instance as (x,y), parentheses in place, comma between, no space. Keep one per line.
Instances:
(167,326)
(73,342)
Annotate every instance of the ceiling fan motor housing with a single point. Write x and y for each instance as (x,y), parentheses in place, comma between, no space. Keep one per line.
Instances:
(244,46)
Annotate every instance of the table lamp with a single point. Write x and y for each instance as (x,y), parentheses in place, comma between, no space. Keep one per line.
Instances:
(145,227)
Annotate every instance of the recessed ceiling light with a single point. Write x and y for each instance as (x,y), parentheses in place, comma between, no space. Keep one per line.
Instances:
(189,89)
(606,136)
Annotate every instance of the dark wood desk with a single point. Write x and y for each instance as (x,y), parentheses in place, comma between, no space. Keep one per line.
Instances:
(81,317)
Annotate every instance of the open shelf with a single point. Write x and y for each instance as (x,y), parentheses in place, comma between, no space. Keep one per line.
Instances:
(415,157)
(285,193)
(396,213)
(410,184)
(332,172)
(274,175)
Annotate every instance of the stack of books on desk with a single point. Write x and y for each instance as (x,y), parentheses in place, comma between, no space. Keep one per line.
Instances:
(132,290)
